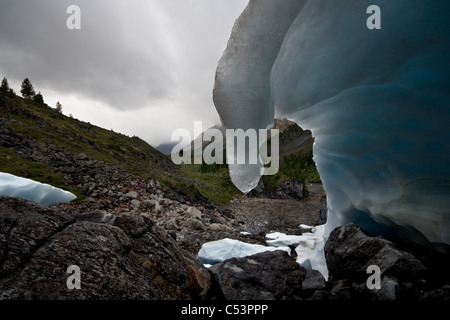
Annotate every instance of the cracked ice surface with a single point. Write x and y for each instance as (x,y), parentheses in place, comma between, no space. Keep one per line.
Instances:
(377,102)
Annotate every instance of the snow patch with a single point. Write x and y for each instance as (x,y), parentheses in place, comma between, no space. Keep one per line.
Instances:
(43,194)
(217,251)
(309,247)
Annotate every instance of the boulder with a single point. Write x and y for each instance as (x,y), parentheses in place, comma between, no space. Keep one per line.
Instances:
(132,195)
(313,281)
(135,203)
(264,276)
(289,189)
(194,213)
(286,189)
(349,251)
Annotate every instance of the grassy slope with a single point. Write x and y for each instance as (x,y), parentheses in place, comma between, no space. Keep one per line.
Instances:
(296,163)
(43,124)
(215,185)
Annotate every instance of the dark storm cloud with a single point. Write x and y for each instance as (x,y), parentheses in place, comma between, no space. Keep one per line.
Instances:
(127,53)
(105,60)
(156,56)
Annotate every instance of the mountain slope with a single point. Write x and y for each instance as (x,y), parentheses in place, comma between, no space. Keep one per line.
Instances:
(39,143)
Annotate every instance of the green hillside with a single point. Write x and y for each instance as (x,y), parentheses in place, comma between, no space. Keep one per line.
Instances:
(25,124)
(32,134)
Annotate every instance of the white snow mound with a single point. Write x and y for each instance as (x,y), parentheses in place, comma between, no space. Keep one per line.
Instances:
(217,251)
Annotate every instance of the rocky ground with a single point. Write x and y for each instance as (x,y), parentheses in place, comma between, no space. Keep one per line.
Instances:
(265,215)
(139,241)
(134,239)
(192,222)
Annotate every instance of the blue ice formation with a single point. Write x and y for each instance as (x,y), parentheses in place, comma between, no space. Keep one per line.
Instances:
(376,100)
(40,193)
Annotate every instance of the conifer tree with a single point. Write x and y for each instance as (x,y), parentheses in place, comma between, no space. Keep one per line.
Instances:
(38,98)
(59,107)
(4,87)
(27,89)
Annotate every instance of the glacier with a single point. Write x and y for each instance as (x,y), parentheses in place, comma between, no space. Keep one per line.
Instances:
(43,194)
(376,101)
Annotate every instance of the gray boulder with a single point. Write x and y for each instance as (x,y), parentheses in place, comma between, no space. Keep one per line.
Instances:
(349,251)
(313,281)
(265,276)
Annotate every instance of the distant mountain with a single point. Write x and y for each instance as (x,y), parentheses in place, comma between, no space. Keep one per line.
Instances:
(296,153)
(200,141)
(166,148)
(292,138)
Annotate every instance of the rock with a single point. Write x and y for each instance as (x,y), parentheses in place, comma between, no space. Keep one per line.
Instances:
(149,203)
(24,225)
(264,276)
(388,289)
(91,187)
(157,208)
(97,216)
(289,189)
(171,225)
(286,189)
(313,281)
(136,203)
(440,294)
(218,227)
(342,290)
(200,281)
(128,258)
(259,190)
(194,213)
(132,194)
(321,295)
(402,265)
(152,203)
(111,194)
(197,224)
(349,251)
(166,202)
(82,156)
(323,211)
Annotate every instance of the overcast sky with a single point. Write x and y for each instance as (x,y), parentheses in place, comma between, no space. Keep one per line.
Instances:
(141,68)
